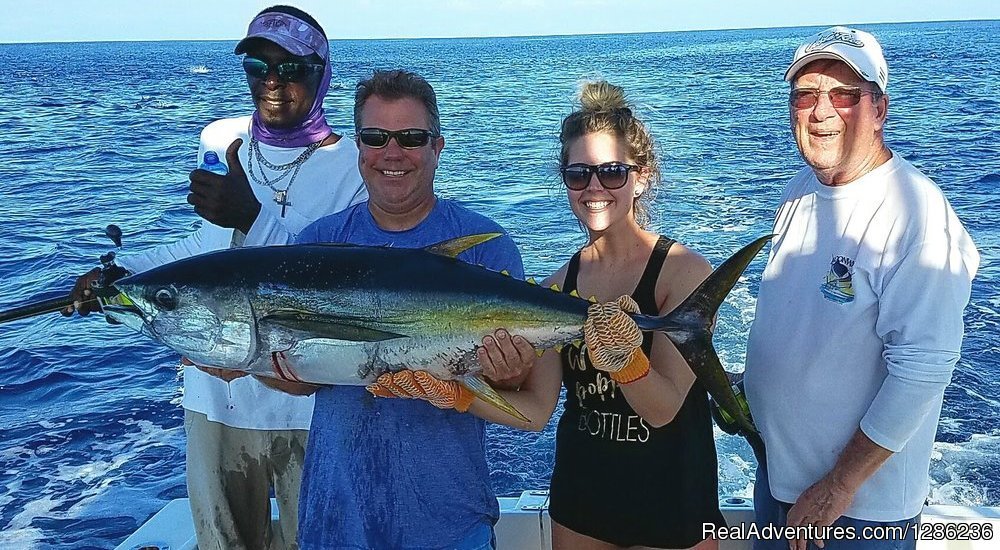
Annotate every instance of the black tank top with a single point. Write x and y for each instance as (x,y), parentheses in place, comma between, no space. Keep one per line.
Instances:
(618,479)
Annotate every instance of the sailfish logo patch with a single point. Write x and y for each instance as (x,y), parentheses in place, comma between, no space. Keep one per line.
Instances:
(838,286)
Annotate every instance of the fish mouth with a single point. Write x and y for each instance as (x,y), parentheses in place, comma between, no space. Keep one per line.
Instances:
(121,303)
(121,308)
(127,310)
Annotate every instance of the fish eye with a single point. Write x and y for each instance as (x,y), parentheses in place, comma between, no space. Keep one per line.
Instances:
(165,298)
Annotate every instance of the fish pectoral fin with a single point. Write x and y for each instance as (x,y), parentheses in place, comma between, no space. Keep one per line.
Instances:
(453,247)
(478,385)
(325,326)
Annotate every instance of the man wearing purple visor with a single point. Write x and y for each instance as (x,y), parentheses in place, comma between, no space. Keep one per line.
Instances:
(287,168)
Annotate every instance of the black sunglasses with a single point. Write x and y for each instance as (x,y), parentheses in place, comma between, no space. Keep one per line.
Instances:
(288,71)
(841,97)
(410,138)
(612,175)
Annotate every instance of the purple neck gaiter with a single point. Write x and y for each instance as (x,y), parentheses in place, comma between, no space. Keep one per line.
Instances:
(310,130)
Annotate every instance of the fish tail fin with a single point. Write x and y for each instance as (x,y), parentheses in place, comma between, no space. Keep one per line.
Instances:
(689,326)
(701,306)
(478,385)
(700,354)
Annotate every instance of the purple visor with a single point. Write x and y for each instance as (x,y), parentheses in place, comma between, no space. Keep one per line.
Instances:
(291,33)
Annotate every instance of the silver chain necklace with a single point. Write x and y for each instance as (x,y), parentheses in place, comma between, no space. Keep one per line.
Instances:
(288,170)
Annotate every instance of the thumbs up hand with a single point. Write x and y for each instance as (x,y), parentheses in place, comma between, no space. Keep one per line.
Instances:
(226,201)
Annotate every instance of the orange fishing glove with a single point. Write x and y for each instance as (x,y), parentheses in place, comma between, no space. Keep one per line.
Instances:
(613,340)
(419,384)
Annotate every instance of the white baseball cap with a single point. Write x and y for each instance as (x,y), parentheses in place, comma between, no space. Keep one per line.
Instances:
(857,48)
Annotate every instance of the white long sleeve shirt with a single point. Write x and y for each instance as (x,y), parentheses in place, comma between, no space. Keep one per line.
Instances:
(327,182)
(858,325)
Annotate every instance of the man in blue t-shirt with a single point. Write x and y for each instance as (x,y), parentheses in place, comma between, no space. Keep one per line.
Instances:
(401,473)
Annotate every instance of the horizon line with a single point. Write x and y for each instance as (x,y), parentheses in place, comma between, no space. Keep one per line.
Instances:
(138,40)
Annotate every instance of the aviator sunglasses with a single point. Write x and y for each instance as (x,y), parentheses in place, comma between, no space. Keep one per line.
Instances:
(612,175)
(289,71)
(410,138)
(841,97)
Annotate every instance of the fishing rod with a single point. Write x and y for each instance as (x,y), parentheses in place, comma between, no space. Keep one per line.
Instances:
(102,288)
(36,308)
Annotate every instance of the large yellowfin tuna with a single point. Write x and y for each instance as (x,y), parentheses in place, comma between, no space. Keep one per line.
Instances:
(343,314)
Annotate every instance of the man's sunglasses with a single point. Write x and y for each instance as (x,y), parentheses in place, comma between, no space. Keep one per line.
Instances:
(841,97)
(289,71)
(411,138)
(612,175)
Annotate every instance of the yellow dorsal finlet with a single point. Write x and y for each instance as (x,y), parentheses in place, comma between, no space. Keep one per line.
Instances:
(574,293)
(592,299)
(531,281)
(554,287)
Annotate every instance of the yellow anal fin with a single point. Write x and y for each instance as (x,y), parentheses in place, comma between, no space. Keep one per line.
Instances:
(477,385)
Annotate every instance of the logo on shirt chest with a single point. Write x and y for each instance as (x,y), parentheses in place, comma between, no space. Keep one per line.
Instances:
(838,285)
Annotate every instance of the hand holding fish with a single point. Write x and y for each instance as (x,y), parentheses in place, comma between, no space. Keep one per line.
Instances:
(410,384)
(613,340)
(226,201)
(506,360)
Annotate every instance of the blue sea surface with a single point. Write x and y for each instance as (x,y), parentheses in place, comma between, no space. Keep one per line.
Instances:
(91,437)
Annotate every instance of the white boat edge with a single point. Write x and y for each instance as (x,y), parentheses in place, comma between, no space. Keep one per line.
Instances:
(524,525)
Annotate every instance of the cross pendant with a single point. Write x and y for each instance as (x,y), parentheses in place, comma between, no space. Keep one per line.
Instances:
(281,197)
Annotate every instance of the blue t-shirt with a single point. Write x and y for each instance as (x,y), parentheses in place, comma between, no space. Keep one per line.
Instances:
(398,473)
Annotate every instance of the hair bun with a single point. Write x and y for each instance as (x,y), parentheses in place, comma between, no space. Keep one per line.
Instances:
(602,96)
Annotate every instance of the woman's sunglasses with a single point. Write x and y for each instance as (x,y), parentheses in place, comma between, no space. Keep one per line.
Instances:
(612,175)
(841,97)
(289,71)
(411,138)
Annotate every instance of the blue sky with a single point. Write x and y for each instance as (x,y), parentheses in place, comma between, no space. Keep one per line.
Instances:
(87,20)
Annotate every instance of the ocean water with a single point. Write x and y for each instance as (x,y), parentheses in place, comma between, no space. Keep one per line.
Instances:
(91,437)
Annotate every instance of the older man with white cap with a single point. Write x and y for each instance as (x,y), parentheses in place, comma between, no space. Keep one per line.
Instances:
(859,316)
(287,168)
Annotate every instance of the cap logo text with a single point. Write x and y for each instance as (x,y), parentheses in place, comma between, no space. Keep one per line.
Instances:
(835,37)
(274,24)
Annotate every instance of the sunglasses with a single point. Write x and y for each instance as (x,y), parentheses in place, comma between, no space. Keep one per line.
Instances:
(841,97)
(289,71)
(410,138)
(612,175)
